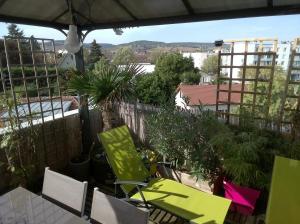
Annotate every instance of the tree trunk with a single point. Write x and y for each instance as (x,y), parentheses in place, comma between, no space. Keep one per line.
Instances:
(106,117)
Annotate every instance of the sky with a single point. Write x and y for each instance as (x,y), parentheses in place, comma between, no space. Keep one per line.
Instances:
(282,27)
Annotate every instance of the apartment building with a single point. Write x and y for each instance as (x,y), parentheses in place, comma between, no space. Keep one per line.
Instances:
(283,50)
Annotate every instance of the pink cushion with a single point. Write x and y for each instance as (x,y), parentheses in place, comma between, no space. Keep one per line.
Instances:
(243,198)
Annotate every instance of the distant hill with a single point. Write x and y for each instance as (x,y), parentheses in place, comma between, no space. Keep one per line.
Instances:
(145,45)
(143,48)
(103,45)
(59,44)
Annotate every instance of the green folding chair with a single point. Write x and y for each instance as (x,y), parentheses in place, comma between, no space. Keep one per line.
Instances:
(284,197)
(178,199)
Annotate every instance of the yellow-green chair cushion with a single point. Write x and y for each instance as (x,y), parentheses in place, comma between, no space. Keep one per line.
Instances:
(284,198)
(186,202)
(123,157)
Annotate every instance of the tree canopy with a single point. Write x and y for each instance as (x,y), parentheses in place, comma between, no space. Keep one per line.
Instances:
(210,65)
(95,53)
(124,56)
(35,43)
(155,54)
(14,31)
(171,64)
(170,67)
(159,87)
(150,89)
(190,78)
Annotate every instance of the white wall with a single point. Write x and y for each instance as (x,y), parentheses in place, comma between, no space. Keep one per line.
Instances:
(146,67)
(180,102)
(205,78)
(198,57)
(238,60)
(67,62)
(283,52)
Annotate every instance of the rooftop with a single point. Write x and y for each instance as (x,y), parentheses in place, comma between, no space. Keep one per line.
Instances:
(47,106)
(207,94)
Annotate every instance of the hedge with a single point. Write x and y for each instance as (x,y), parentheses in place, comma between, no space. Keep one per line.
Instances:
(16,72)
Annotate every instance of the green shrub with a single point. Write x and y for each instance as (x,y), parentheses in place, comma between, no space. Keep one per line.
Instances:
(208,148)
(183,136)
(16,72)
(246,161)
(190,78)
(171,133)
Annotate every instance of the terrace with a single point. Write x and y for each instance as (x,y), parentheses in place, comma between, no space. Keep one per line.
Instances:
(43,127)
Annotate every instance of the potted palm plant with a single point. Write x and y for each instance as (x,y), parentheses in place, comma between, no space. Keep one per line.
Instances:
(105,85)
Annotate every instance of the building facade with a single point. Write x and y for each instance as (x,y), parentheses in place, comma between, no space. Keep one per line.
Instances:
(284,50)
(198,57)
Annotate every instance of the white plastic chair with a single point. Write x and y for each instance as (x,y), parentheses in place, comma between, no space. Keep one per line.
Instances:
(65,191)
(110,210)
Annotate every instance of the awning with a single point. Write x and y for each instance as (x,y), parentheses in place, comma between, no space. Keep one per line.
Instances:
(100,14)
